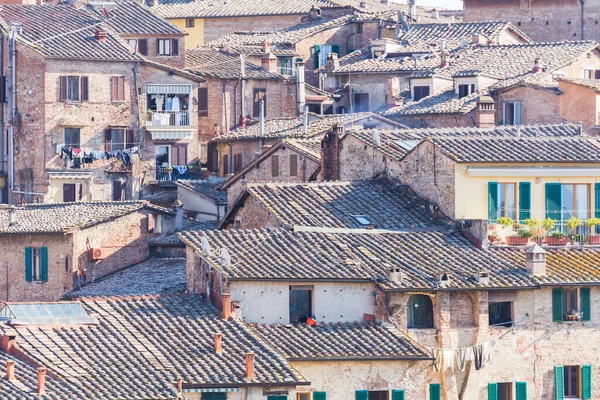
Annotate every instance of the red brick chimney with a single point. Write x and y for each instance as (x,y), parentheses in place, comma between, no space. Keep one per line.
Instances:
(249,366)
(266,47)
(226,305)
(218,342)
(536,65)
(10,370)
(445,60)
(100,35)
(8,342)
(41,382)
(179,385)
(485,115)
(330,154)
(269,63)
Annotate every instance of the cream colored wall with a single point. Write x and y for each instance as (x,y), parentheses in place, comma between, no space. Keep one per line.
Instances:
(195,36)
(55,191)
(247,393)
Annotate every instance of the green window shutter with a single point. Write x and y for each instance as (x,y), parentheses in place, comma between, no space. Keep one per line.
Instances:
(277,398)
(492,391)
(335,48)
(397,395)
(553,200)
(28,269)
(44,264)
(557,305)
(362,395)
(521,390)
(435,392)
(524,200)
(492,201)
(559,382)
(597,200)
(319,396)
(316,55)
(586,381)
(585,304)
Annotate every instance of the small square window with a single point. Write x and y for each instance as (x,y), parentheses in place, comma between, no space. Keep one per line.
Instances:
(500,314)
(362,220)
(190,22)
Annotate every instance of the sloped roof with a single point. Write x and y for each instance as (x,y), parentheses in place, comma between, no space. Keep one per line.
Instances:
(362,61)
(310,148)
(593,84)
(210,63)
(132,18)
(208,188)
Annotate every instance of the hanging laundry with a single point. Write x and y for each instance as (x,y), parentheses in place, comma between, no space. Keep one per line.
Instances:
(98,155)
(181,169)
(169,103)
(76,152)
(478,353)
(160,100)
(88,158)
(448,356)
(437,363)
(176,108)
(487,351)
(461,358)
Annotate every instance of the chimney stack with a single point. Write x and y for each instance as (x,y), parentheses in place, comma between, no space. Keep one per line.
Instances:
(12,220)
(8,341)
(535,260)
(330,154)
(445,60)
(395,274)
(362,4)
(266,47)
(485,115)
(226,304)
(218,342)
(100,35)
(178,208)
(10,370)
(301,85)
(536,65)
(269,63)
(41,381)
(249,366)
(179,385)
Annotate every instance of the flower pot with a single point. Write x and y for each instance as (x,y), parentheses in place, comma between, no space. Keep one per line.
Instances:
(594,239)
(492,239)
(517,240)
(570,317)
(556,241)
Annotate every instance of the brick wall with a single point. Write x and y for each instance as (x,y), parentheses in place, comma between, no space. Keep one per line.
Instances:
(538,106)
(254,215)
(360,161)
(217,27)
(172,61)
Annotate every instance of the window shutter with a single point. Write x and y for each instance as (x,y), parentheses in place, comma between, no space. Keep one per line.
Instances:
(362,395)
(524,201)
(335,49)
(44,264)
(492,201)
(557,305)
(175,47)
(274,166)
(317,55)
(586,381)
(121,88)
(107,140)
(319,396)
(504,121)
(293,165)
(597,203)
(158,47)
(63,88)
(517,113)
(492,391)
(151,223)
(553,200)
(521,390)
(585,304)
(2,89)
(397,395)
(129,138)
(225,164)
(28,266)
(143,46)
(559,382)
(84,89)
(203,102)
(597,74)
(435,391)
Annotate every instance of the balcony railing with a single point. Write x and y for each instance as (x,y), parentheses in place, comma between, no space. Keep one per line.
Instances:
(172,174)
(171,119)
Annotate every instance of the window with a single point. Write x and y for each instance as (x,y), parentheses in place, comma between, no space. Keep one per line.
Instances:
(420,92)
(362,220)
(300,303)
(572,304)
(420,311)
(225,164)
(378,395)
(285,65)
(293,165)
(118,191)
(504,391)
(361,102)
(203,102)
(359,28)
(502,200)
(154,223)
(117,89)
(115,139)
(237,162)
(163,156)
(167,47)
(511,113)
(507,200)
(507,390)
(72,139)
(69,192)
(36,264)
(500,314)
(143,46)
(465,90)
(132,43)
(73,88)
(303,396)
(259,94)
(564,201)
(274,166)
(591,74)
(573,381)
(190,22)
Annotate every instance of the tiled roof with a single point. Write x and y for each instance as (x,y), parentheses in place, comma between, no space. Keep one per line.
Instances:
(238,8)
(342,341)
(362,61)
(593,84)
(207,188)
(64,32)
(141,345)
(333,204)
(359,255)
(310,148)
(132,18)
(65,217)
(454,32)
(211,63)
(528,150)
(173,239)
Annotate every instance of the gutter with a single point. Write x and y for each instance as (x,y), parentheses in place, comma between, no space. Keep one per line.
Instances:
(370,358)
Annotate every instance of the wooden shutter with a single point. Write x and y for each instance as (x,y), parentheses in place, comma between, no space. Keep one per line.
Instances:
(492,201)
(2,89)
(203,102)
(175,47)
(597,74)
(63,88)
(597,203)
(129,138)
(158,47)
(28,265)
(150,223)
(120,88)
(435,392)
(517,116)
(524,201)
(557,305)
(179,154)
(521,389)
(274,166)
(317,55)
(107,139)
(225,164)
(397,394)
(553,200)
(84,89)
(492,391)
(44,264)
(293,165)
(559,382)
(335,49)
(321,396)
(586,381)
(237,162)
(586,308)
(362,395)
(143,47)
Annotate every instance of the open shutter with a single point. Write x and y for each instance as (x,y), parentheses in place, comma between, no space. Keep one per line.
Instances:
(84,89)
(517,113)
(158,47)
(293,165)
(524,201)
(335,49)
(362,395)
(28,266)
(521,389)
(586,381)
(557,305)
(129,138)
(435,392)
(203,102)
(559,382)
(63,88)
(319,396)
(274,166)
(553,200)
(44,264)
(317,55)
(175,47)
(492,391)
(107,140)
(143,46)
(225,164)
(585,304)
(397,395)
(492,201)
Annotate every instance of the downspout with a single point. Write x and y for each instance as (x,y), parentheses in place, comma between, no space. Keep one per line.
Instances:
(225,119)
(230,169)
(582,19)
(262,124)
(4,192)
(244,83)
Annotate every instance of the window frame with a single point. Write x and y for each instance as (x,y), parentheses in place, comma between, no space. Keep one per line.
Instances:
(36,270)
(421,87)
(133,43)
(505,210)
(190,22)
(168,46)
(116,145)
(515,121)
(311,292)
(286,66)
(566,296)
(508,390)
(567,378)
(507,324)
(574,187)
(430,317)
(470,89)
(71,91)
(70,131)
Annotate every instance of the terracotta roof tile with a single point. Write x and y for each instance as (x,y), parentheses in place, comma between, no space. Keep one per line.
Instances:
(132,18)
(211,63)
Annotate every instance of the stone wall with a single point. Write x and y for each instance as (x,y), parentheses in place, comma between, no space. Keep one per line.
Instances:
(361,161)
(538,106)
(254,215)
(214,28)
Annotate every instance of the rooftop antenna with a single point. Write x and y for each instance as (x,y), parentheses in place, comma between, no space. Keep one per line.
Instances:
(205,246)
(225,258)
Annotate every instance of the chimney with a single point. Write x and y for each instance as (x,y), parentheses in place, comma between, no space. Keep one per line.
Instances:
(479,39)
(536,65)
(8,342)
(41,381)
(445,60)
(444,279)
(300,82)
(226,305)
(10,370)
(330,154)
(249,375)
(483,277)
(266,46)
(535,260)
(218,342)
(12,220)
(178,208)
(385,2)
(179,385)
(395,274)
(269,63)
(332,62)
(435,14)
(100,35)
(485,114)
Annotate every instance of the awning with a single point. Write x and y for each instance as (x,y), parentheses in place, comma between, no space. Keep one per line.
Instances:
(168,89)
(171,135)
(70,175)
(212,390)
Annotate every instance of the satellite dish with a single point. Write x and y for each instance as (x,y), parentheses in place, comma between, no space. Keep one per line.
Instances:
(205,246)
(376,138)
(225,258)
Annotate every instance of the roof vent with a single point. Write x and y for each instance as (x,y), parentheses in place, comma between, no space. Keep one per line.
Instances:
(41,381)
(205,246)
(536,65)
(483,277)
(444,279)
(249,375)
(535,260)
(225,258)
(100,35)
(10,370)
(376,138)
(362,4)
(218,342)
(395,274)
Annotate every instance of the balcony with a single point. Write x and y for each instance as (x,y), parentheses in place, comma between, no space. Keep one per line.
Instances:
(172,174)
(171,125)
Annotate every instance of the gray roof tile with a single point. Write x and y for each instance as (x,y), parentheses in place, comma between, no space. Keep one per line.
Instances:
(207,188)
(211,63)
(132,18)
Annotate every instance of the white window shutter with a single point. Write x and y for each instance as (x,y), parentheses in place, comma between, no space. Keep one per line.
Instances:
(517,113)
(504,122)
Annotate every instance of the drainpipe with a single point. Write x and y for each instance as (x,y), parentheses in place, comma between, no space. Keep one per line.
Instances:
(12,61)
(305,120)
(243,78)
(301,85)
(230,158)
(3,192)
(262,124)
(582,19)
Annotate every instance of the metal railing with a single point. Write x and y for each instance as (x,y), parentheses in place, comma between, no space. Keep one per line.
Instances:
(169,118)
(171,174)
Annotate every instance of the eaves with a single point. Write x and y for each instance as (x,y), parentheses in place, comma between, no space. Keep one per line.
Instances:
(367,358)
(462,289)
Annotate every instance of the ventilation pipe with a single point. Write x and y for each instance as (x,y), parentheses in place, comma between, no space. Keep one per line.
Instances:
(218,342)
(41,381)
(249,366)
(301,84)
(10,370)
(226,305)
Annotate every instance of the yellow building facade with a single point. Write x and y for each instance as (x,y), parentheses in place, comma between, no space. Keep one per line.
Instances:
(194,28)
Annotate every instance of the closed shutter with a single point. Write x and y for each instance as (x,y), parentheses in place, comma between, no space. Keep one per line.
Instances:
(524,201)
(158,53)
(435,392)
(225,164)
(335,49)
(553,200)
(362,395)
(492,391)
(557,305)
(585,304)
(150,223)
(492,201)
(129,138)
(293,165)
(2,89)
(28,265)
(107,140)
(517,114)
(274,166)
(179,156)
(44,264)
(317,55)
(63,88)
(84,89)
(175,47)
(397,394)
(143,46)
(121,88)
(320,396)
(559,382)
(203,102)
(586,381)
(237,162)
(521,389)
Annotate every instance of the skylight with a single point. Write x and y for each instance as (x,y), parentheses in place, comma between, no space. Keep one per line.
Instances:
(362,220)
(60,313)
(407,144)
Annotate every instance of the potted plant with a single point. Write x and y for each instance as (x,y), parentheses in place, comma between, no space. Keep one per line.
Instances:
(556,238)
(574,316)
(521,238)
(573,223)
(493,237)
(591,223)
(535,227)
(548,224)
(505,221)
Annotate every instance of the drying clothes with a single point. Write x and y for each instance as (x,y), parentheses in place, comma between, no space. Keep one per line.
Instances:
(181,169)
(478,353)
(448,356)
(487,351)
(437,363)
(169,103)
(176,108)
(461,356)
(76,152)
(88,158)
(160,100)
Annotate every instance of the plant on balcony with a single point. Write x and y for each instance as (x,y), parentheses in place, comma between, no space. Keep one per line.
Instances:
(592,223)
(548,224)
(493,236)
(506,221)
(556,238)
(536,228)
(148,115)
(573,223)
(574,316)
(520,238)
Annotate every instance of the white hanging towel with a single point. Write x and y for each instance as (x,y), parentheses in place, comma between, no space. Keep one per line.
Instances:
(175,107)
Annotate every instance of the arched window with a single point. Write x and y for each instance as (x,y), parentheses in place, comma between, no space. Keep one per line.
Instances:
(420,311)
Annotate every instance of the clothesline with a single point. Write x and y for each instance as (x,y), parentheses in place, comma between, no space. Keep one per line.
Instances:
(478,327)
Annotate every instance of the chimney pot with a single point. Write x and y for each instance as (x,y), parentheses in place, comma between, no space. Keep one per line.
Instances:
(8,342)
(249,366)
(101,35)
(269,63)
(12,216)
(179,385)
(266,47)
(10,370)
(363,4)
(226,304)
(535,260)
(41,382)
(218,342)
